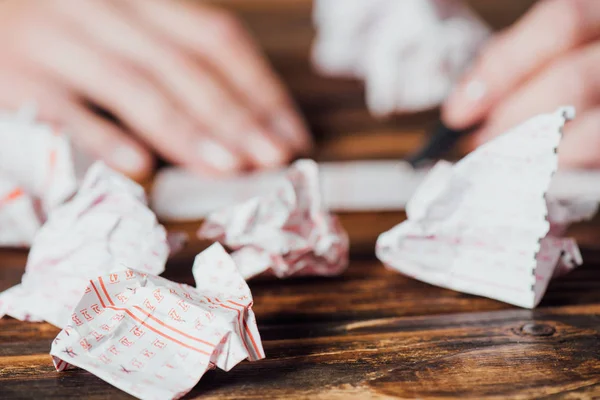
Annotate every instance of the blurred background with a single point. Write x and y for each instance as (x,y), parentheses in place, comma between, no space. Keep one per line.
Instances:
(335,108)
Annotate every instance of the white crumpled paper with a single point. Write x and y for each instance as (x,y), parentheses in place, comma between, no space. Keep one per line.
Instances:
(483,225)
(154,338)
(37,173)
(180,195)
(347,186)
(409,52)
(106,226)
(287,231)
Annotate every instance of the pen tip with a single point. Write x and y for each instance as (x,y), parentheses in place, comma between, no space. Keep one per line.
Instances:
(440,141)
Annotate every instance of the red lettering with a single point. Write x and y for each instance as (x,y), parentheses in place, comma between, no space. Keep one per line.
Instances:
(96,308)
(149,305)
(184,306)
(118,317)
(173,314)
(147,353)
(76,320)
(114,278)
(125,342)
(105,359)
(158,296)
(85,344)
(86,315)
(137,331)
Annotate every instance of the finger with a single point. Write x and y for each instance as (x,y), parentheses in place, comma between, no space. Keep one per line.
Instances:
(580,147)
(96,136)
(106,141)
(135,100)
(573,80)
(551,29)
(19,87)
(220,38)
(197,89)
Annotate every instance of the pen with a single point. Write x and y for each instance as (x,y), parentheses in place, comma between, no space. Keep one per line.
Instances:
(441,141)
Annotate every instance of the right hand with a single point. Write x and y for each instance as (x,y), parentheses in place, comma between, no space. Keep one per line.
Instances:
(549,58)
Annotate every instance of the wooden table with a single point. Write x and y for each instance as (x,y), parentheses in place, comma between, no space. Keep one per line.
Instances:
(370,332)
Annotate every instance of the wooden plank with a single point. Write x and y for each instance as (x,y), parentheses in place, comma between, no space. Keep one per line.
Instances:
(510,353)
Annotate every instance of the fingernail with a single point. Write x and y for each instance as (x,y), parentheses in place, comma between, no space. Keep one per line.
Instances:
(464,103)
(264,151)
(290,128)
(217,156)
(474,90)
(128,159)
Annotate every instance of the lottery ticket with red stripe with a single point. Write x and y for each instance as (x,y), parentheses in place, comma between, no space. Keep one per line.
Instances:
(287,231)
(106,226)
(36,162)
(154,338)
(483,225)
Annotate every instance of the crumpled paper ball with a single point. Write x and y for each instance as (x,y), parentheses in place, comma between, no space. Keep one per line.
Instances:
(409,53)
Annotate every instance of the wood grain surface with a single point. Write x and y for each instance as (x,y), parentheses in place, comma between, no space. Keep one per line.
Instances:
(370,333)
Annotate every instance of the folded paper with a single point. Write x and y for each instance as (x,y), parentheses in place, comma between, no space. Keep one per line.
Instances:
(154,338)
(409,52)
(104,227)
(482,226)
(287,231)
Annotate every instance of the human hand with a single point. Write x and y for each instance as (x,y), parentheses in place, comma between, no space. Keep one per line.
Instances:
(547,59)
(185,81)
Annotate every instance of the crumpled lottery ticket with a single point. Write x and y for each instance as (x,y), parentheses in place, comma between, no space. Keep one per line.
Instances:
(107,225)
(154,338)
(483,225)
(37,173)
(409,53)
(288,231)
